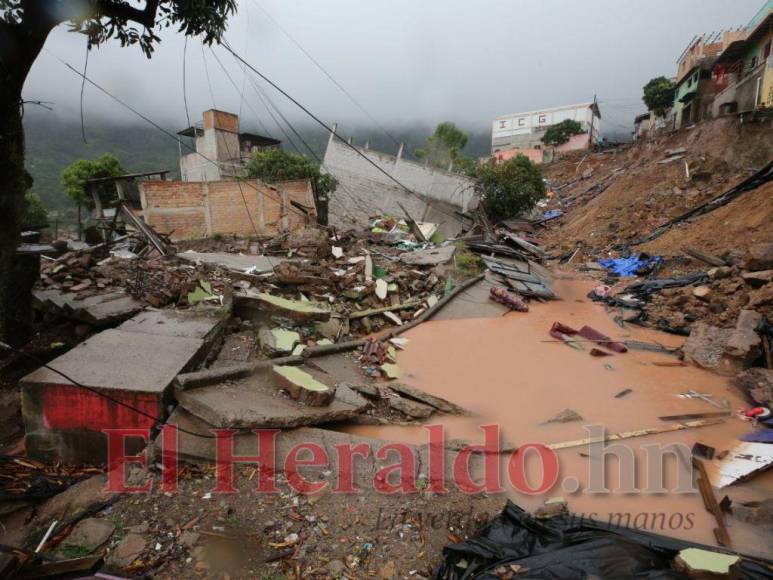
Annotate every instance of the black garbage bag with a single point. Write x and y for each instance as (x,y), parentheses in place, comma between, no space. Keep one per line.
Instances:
(567,548)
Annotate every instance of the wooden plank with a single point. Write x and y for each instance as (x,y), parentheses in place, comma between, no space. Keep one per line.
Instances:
(637,433)
(704,257)
(710,503)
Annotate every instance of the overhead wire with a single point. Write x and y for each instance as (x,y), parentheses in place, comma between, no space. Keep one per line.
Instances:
(326,73)
(272,108)
(228,149)
(154,124)
(99,393)
(297,103)
(83,90)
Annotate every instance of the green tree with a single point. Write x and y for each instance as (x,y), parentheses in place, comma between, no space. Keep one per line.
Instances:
(659,95)
(24,28)
(273,165)
(75,176)
(560,133)
(444,146)
(510,187)
(35,214)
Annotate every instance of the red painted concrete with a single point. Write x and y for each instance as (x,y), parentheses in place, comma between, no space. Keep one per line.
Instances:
(68,407)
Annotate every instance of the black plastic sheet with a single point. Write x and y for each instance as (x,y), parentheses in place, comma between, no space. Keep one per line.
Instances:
(568,548)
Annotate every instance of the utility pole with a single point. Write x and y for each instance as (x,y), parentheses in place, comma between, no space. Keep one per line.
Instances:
(592,118)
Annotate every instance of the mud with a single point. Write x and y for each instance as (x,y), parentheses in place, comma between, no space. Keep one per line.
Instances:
(506,372)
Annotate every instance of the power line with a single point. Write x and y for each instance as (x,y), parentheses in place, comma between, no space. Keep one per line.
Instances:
(206,72)
(158,127)
(329,129)
(326,73)
(228,150)
(185,90)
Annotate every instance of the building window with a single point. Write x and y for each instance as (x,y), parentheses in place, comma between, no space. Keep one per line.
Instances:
(543,119)
(521,122)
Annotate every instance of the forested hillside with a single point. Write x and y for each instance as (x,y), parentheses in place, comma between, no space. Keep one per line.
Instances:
(53,143)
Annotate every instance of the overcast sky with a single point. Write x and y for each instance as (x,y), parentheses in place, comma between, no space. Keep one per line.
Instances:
(406,61)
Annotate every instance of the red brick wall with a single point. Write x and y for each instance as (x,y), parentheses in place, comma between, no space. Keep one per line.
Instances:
(192,209)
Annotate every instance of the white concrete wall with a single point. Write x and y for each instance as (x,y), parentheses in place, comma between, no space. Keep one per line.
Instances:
(364,191)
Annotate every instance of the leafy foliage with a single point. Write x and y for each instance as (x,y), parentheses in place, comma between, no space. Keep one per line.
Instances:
(35,215)
(510,187)
(102,20)
(75,176)
(444,146)
(659,95)
(273,165)
(560,133)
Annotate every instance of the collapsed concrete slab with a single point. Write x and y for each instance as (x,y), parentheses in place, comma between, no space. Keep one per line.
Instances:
(236,262)
(179,324)
(302,387)
(125,369)
(295,310)
(256,402)
(201,449)
(99,310)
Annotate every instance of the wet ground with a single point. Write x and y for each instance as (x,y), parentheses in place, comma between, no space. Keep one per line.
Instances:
(505,369)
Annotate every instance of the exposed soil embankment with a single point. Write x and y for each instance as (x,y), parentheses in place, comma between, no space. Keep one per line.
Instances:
(610,199)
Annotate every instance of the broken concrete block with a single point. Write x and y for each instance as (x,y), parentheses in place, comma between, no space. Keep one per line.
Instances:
(566,416)
(758,279)
(431,257)
(278,341)
(744,345)
(702,292)
(367,389)
(720,273)
(255,403)
(311,240)
(410,407)
(706,345)
(303,387)
(127,551)
(757,385)
(292,309)
(762,298)
(90,534)
(441,405)
(63,420)
(759,257)
(698,563)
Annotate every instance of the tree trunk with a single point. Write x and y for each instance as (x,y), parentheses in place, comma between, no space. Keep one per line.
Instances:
(19,47)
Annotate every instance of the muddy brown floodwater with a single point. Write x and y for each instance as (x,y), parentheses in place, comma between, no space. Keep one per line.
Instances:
(503,371)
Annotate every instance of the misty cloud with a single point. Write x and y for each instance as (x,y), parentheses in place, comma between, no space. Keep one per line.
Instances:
(407,62)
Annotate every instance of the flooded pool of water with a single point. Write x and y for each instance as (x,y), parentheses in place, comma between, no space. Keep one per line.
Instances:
(506,372)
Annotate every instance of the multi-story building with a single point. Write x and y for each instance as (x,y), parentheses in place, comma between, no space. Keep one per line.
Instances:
(523,132)
(221,149)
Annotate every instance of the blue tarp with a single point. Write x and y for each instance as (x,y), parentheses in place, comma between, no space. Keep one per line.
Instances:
(552,214)
(629,266)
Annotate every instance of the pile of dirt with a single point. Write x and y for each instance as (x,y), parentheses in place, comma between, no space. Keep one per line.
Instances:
(609,199)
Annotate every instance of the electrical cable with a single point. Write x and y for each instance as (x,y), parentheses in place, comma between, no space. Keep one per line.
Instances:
(185,85)
(157,126)
(326,73)
(98,392)
(228,47)
(83,90)
(228,150)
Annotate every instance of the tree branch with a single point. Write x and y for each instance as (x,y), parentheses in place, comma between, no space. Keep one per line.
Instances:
(146,17)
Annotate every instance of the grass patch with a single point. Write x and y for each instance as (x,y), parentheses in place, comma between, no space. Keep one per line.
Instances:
(467,264)
(72,552)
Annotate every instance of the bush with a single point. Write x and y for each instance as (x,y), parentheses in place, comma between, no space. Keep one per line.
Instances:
(560,133)
(75,176)
(35,214)
(274,165)
(510,188)
(659,95)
